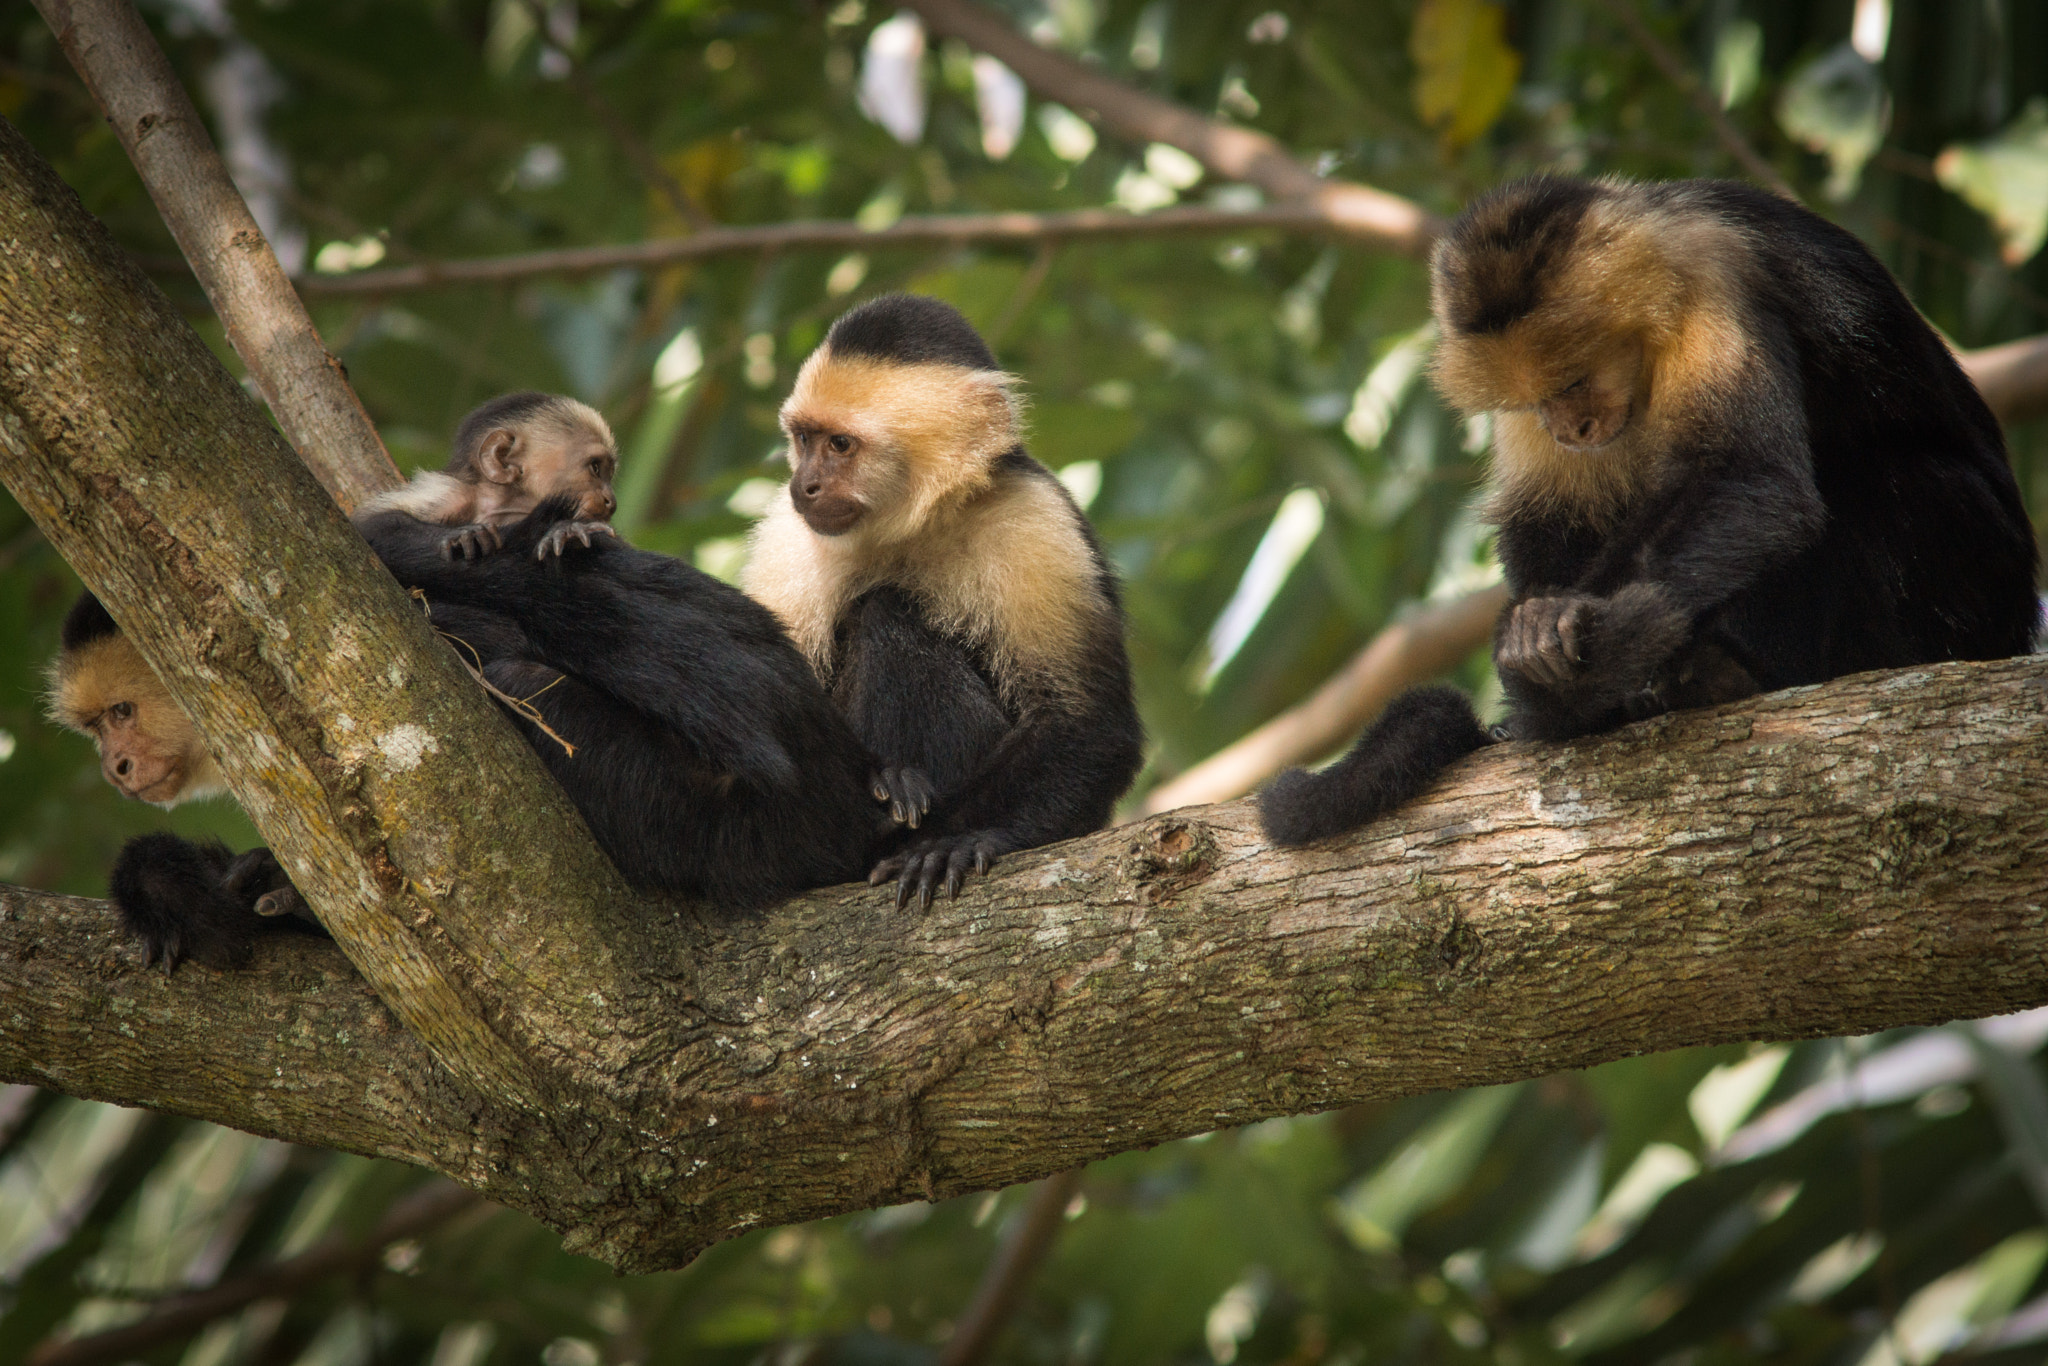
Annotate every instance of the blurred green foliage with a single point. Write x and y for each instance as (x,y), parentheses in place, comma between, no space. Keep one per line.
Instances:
(1192,385)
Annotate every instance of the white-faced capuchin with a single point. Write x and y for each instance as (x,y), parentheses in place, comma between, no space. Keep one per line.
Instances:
(707,759)
(512,454)
(1729,457)
(949,593)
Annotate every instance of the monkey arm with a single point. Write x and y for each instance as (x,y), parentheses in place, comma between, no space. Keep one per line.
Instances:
(1055,775)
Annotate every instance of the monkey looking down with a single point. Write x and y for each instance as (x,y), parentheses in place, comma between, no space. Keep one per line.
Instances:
(948,591)
(1728,457)
(512,454)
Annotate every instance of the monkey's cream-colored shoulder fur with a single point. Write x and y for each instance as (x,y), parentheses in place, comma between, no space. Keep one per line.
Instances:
(1009,570)
(431,497)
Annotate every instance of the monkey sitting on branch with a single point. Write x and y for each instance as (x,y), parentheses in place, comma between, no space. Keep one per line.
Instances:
(685,727)
(1729,457)
(948,592)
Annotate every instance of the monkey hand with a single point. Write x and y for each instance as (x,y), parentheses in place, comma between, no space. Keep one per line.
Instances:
(1545,640)
(920,868)
(555,543)
(471,542)
(906,791)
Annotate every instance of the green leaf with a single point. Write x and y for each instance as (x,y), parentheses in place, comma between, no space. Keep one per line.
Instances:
(1464,68)
(2006,178)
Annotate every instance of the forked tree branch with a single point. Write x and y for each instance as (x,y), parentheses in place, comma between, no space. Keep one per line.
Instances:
(1827,861)
(121,64)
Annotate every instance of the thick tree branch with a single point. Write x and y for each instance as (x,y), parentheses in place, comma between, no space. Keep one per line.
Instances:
(113,51)
(916,230)
(180,1316)
(1828,861)
(1233,153)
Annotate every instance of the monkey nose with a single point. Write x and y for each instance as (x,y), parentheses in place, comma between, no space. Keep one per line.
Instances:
(124,767)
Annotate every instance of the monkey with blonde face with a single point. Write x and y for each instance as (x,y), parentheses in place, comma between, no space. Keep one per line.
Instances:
(1728,457)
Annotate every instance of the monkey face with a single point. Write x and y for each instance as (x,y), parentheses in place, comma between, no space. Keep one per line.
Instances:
(148,749)
(1594,408)
(824,479)
(582,467)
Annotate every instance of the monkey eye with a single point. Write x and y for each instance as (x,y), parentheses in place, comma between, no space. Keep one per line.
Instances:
(596,466)
(840,443)
(1577,385)
(121,711)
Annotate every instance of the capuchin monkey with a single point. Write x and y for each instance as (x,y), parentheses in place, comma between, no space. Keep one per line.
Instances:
(949,593)
(512,454)
(1729,457)
(706,758)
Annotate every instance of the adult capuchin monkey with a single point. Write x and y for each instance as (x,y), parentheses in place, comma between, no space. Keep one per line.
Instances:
(1729,457)
(949,593)
(707,760)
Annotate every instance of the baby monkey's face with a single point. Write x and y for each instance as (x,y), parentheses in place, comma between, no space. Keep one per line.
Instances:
(579,465)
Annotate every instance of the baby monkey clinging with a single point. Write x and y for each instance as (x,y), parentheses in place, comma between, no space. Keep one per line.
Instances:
(511,455)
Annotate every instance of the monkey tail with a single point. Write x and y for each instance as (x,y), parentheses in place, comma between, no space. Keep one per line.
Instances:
(1422,732)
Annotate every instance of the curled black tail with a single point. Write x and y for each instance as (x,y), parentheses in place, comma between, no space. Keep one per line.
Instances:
(198,901)
(1422,732)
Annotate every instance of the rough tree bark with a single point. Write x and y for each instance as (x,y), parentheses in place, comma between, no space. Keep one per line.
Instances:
(649,1081)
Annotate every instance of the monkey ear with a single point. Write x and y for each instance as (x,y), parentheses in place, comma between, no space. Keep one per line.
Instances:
(494,456)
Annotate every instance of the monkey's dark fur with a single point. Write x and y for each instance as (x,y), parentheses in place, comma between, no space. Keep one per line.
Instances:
(1011,690)
(708,760)
(1730,457)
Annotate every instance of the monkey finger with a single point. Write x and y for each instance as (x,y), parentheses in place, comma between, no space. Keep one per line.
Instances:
(1571,624)
(886,869)
(984,858)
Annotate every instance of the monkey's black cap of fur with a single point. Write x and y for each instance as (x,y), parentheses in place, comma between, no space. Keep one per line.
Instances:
(86,622)
(910,329)
(1500,255)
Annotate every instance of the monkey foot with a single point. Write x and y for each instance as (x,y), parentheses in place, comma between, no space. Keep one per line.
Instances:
(906,791)
(920,869)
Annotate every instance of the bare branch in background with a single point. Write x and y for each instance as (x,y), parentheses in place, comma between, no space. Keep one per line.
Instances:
(1413,650)
(113,50)
(630,142)
(1011,1269)
(916,230)
(1679,74)
(2012,376)
(180,1316)
(1359,211)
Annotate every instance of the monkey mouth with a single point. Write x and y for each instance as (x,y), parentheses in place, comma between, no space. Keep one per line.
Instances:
(834,518)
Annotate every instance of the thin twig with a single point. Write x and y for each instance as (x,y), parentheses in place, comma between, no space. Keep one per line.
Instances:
(522,706)
(1020,298)
(1009,1272)
(917,230)
(1679,74)
(636,151)
(183,1315)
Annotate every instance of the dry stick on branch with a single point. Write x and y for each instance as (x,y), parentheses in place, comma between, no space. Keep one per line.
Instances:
(1408,652)
(180,1316)
(1010,1270)
(916,230)
(1234,153)
(128,74)
(1679,74)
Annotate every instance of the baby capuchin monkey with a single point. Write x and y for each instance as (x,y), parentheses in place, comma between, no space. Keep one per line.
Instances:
(512,454)
(949,593)
(1729,457)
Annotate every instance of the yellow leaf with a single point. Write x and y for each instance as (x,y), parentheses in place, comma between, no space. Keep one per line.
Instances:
(1464,68)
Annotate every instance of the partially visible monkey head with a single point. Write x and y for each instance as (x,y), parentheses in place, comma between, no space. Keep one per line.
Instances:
(511,454)
(101,688)
(901,409)
(1585,312)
